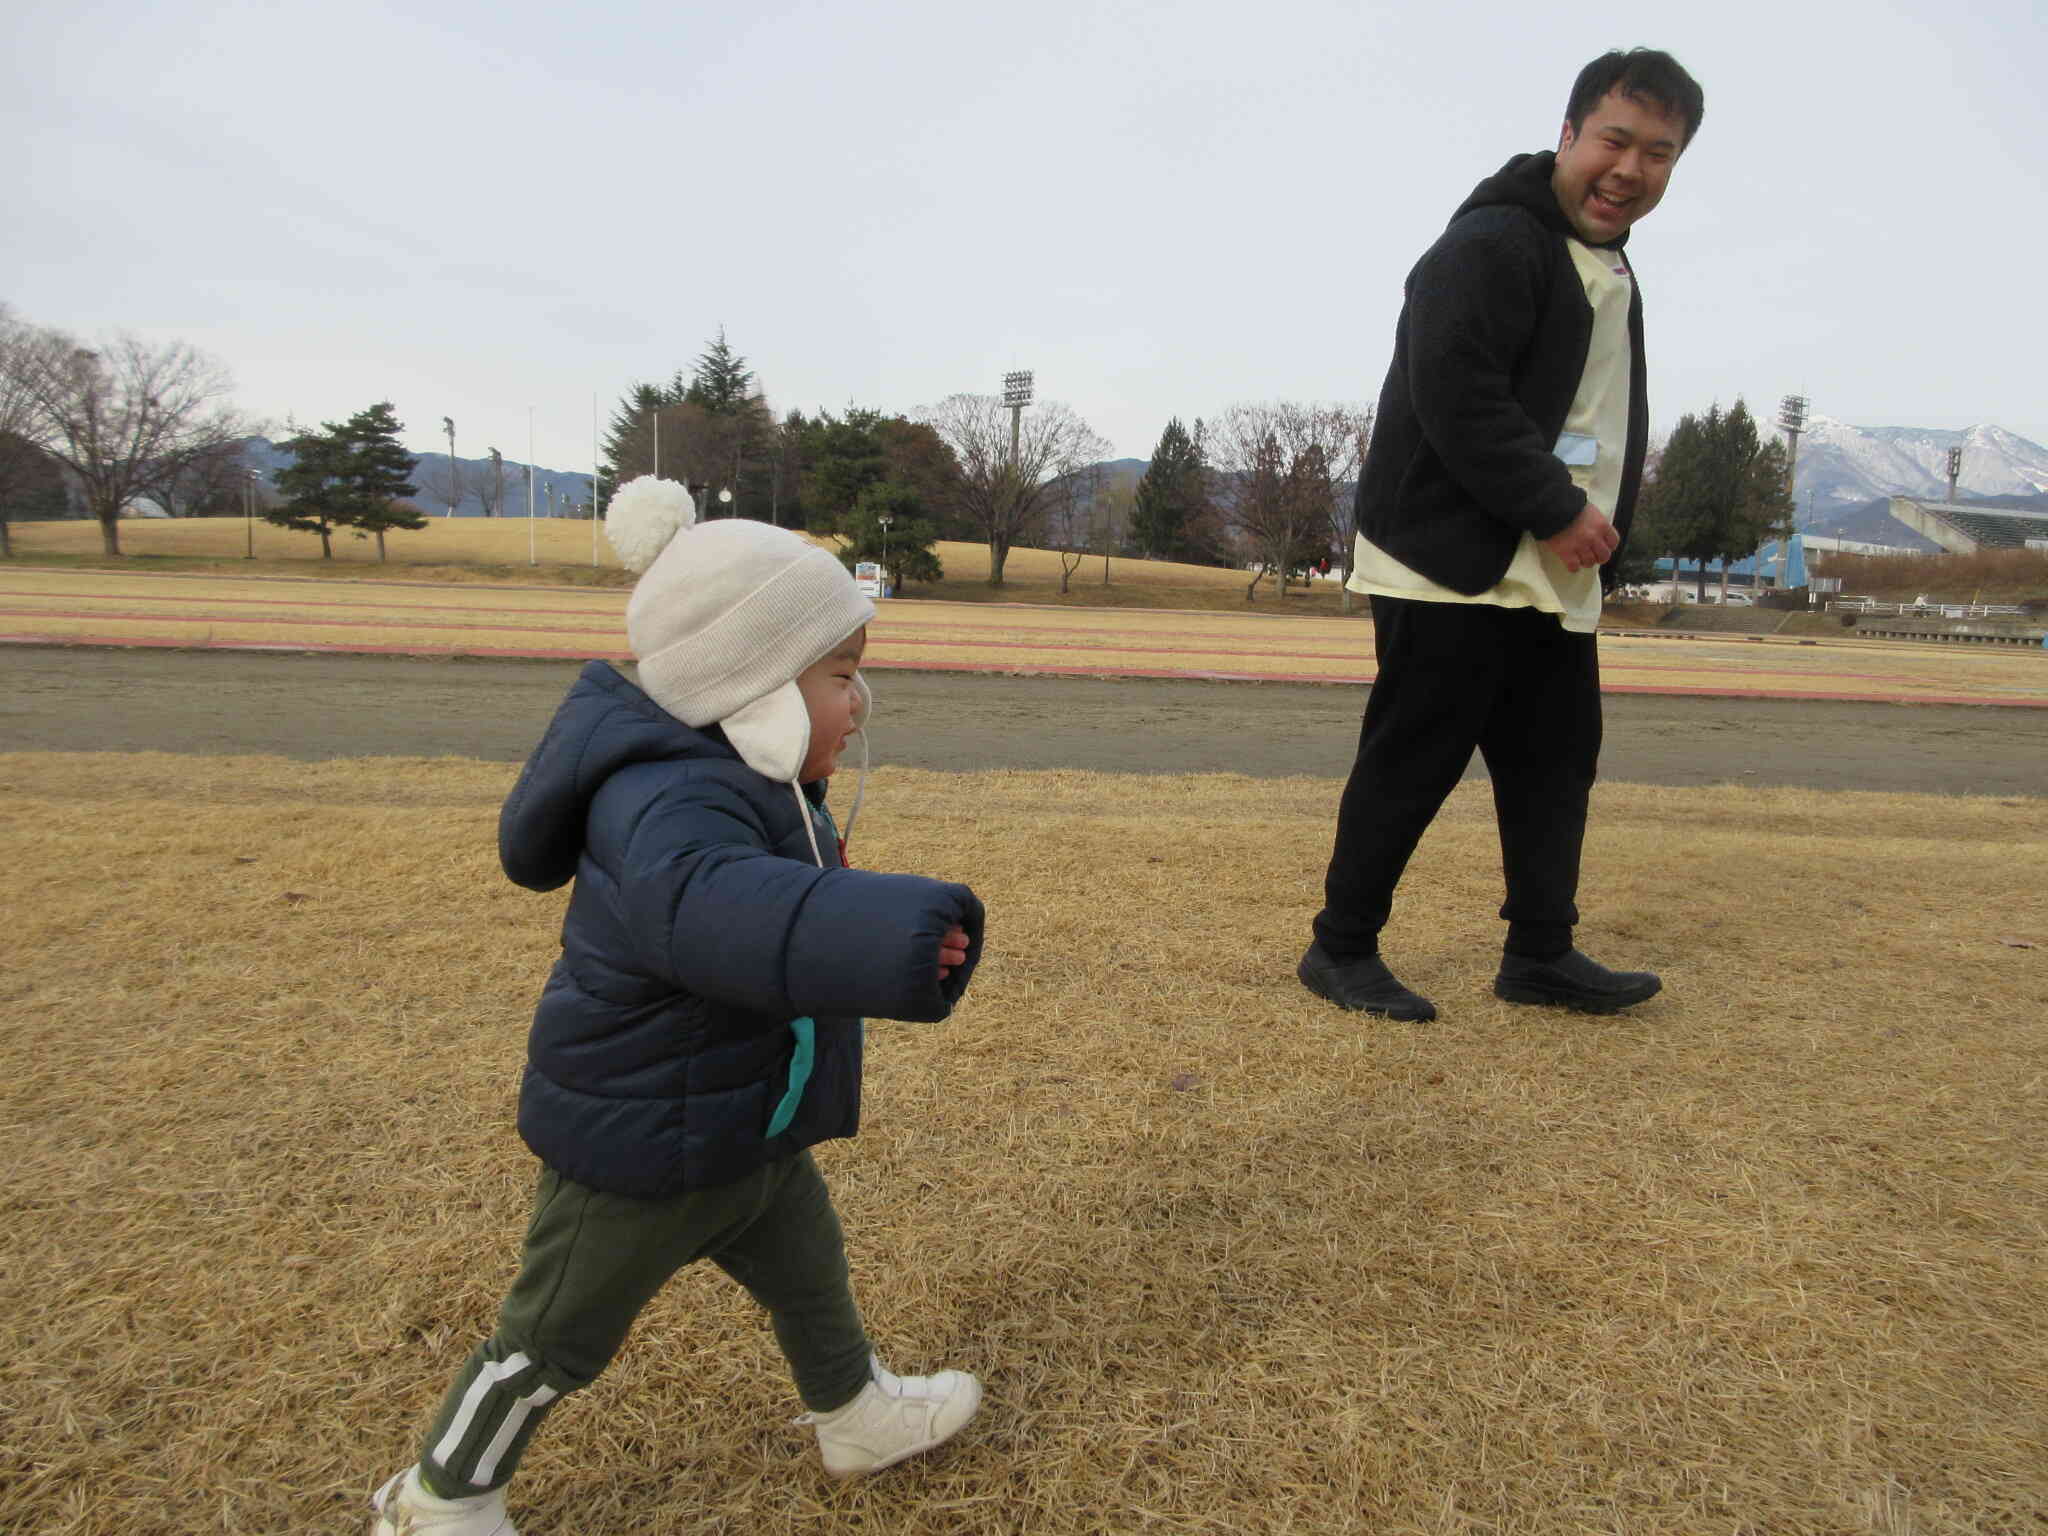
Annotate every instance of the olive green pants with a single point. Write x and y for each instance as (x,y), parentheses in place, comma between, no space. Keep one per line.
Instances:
(591,1262)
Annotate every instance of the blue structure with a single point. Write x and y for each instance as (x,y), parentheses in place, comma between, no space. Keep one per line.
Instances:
(1789,572)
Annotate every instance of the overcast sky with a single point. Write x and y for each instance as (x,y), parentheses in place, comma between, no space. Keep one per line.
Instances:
(476,209)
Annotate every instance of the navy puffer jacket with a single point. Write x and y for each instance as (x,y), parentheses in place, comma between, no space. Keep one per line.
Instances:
(705,1015)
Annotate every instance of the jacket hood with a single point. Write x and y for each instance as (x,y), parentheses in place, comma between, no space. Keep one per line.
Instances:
(1524,182)
(603,725)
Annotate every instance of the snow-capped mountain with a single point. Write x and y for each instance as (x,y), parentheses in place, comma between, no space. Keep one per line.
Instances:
(1840,464)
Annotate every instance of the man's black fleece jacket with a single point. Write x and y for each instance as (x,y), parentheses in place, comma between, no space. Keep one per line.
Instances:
(1488,355)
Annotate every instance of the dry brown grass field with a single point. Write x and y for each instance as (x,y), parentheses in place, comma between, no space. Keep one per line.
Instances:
(499,549)
(496,549)
(1765,1256)
(233,608)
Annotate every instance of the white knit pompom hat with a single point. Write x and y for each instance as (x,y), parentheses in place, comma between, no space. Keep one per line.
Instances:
(726,616)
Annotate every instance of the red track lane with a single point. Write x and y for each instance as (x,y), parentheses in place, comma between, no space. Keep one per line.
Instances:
(1007,642)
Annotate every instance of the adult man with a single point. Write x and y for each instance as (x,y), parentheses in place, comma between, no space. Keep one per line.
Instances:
(1500,482)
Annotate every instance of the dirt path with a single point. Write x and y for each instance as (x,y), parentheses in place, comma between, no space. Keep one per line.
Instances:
(313,707)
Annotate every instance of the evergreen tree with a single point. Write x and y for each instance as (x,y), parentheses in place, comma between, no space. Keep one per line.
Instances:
(629,437)
(381,471)
(347,475)
(714,432)
(1170,496)
(313,486)
(904,550)
(842,457)
(1717,494)
(723,384)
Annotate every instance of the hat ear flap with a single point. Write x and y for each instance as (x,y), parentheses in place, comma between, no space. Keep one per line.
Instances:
(773,734)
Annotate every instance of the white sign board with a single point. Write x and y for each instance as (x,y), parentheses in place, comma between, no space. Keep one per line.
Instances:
(867,575)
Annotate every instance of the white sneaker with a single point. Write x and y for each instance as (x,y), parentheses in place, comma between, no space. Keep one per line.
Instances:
(405,1508)
(893,1418)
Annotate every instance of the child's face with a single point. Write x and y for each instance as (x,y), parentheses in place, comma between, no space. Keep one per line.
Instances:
(830,697)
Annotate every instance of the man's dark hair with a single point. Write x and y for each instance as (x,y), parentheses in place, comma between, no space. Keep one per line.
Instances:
(1641,74)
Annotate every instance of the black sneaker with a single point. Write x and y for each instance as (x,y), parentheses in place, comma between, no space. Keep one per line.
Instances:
(1364,985)
(1572,981)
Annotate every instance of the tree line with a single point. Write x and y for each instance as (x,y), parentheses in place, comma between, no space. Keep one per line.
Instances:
(1266,487)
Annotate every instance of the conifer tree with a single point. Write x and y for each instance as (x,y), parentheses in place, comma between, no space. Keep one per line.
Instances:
(349,474)
(1170,495)
(381,471)
(1717,494)
(629,437)
(723,383)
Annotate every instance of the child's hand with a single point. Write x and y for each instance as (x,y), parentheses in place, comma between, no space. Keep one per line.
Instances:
(952,951)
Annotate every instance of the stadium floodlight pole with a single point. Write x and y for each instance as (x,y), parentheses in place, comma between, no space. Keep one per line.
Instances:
(656,413)
(596,468)
(1955,470)
(1016,395)
(249,514)
(885,520)
(453,484)
(1792,418)
(531,558)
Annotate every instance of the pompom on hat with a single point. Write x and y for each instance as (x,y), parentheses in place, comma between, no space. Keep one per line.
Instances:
(724,617)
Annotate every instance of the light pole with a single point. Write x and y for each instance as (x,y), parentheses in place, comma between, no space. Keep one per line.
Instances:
(249,514)
(725,500)
(1016,395)
(885,520)
(1792,421)
(531,557)
(454,480)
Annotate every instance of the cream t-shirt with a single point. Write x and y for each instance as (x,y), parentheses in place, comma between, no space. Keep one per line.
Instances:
(1592,444)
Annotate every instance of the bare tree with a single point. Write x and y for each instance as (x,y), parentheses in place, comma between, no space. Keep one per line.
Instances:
(206,482)
(1278,466)
(702,447)
(19,345)
(1071,519)
(116,416)
(1113,506)
(1005,493)
(1344,511)
(447,485)
(490,484)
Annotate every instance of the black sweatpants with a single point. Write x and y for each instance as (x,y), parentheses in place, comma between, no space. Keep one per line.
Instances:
(1525,691)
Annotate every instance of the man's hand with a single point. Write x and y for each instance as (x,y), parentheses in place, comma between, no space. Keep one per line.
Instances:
(1588,540)
(952,951)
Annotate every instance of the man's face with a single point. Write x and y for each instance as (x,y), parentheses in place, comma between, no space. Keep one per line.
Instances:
(1615,168)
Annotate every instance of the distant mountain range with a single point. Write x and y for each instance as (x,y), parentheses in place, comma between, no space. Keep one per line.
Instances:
(1841,464)
(430,474)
